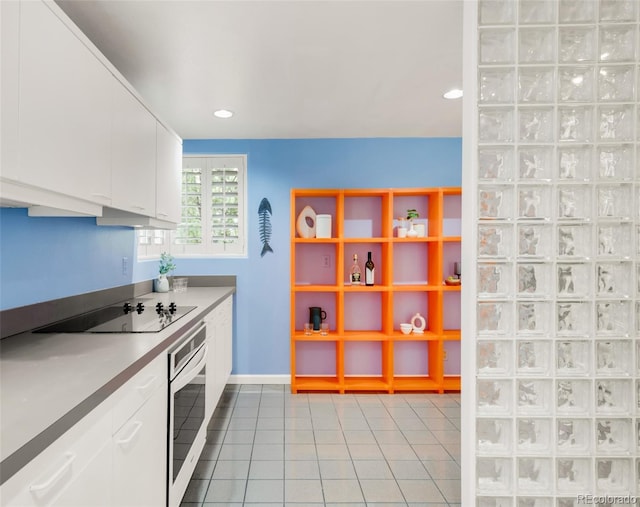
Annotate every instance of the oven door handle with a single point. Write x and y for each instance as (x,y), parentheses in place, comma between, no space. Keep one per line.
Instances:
(186,376)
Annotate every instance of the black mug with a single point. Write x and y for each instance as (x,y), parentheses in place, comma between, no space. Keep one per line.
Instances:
(316,316)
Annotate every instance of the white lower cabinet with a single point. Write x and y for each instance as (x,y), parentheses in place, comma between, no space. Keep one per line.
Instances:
(115,456)
(219,335)
(140,456)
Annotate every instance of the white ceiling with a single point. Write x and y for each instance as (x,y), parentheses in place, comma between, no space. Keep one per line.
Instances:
(288,69)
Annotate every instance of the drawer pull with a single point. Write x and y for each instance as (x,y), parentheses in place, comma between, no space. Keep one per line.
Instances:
(146,386)
(125,441)
(69,458)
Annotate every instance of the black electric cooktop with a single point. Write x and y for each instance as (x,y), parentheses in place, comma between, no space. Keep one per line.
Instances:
(139,316)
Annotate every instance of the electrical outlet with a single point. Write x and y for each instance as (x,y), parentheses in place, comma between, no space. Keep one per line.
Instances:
(444,355)
(125,266)
(326,261)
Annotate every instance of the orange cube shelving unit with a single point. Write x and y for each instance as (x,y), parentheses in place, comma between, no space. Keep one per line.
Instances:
(365,349)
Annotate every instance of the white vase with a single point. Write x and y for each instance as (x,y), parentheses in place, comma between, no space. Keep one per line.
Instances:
(161,284)
(412,233)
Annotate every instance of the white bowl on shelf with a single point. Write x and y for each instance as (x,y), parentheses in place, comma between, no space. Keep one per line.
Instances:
(406,327)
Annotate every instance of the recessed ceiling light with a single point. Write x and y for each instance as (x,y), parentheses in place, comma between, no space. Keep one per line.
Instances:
(455,93)
(223,113)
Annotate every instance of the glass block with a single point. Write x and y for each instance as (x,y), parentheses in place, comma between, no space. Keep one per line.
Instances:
(534,241)
(495,163)
(494,436)
(574,475)
(613,318)
(577,44)
(573,357)
(534,203)
(494,280)
(494,357)
(535,163)
(534,280)
(615,240)
(534,435)
(613,396)
(495,125)
(574,163)
(574,241)
(495,202)
(496,86)
(573,397)
(576,84)
(617,43)
(615,201)
(615,123)
(577,11)
(495,241)
(496,12)
(534,357)
(535,125)
(537,45)
(614,476)
(615,84)
(494,397)
(573,436)
(614,279)
(534,396)
(534,318)
(573,280)
(618,10)
(494,475)
(536,12)
(535,84)
(574,202)
(615,162)
(614,436)
(494,501)
(534,475)
(574,124)
(494,318)
(573,318)
(614,357)
(497,45)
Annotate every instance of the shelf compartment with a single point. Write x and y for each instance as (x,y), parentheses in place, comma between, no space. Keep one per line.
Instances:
(407,304)
(451,253)
(411,262)
(451,310)
(363,310)
(363,358)
(316,358)
(451,213)
(325,300)
(426,203)
(451,358)
(363,214)
(316,264)
(379,254)
(322,202)
(410,359)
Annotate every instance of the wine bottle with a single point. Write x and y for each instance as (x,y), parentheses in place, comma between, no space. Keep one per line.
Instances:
(369,269)
(355,274)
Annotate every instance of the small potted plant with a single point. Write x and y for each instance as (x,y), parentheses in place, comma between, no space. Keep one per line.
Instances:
(161,284)
(412,214)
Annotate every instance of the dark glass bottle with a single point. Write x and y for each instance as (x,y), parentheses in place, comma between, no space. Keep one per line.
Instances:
(369,271)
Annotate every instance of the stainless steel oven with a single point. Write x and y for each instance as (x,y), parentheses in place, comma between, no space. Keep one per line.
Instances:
(187,424)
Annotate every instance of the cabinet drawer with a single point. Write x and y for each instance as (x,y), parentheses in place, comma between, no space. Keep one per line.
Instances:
(77,463)
(138,390)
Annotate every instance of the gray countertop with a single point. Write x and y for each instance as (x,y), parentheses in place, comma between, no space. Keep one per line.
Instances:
(48,382)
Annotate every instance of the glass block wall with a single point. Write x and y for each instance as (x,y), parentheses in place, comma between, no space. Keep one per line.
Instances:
(552,162)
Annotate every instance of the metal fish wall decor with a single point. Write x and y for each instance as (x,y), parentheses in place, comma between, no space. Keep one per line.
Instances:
(264,225)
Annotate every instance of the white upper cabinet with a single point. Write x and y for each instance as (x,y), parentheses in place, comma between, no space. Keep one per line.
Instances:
(133,154)
(65,109)
(9,91)
(169,175)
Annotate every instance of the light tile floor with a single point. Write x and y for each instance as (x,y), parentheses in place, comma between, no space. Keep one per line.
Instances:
(268,447)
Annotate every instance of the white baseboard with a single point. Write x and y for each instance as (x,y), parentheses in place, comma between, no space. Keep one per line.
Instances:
(259,379)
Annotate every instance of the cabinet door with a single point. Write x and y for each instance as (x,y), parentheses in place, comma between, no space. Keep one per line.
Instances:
(133,160)
(169,174)
(9,91)
(65,105)
(140,455)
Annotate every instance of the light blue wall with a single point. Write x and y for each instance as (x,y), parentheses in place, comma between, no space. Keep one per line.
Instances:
(48,258)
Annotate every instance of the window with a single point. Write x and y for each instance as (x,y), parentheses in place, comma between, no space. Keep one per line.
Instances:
(213,210)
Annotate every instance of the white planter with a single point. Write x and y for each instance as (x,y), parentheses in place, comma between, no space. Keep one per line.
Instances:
(161,284)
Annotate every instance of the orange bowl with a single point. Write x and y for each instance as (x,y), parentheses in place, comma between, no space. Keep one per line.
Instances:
(453,282)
